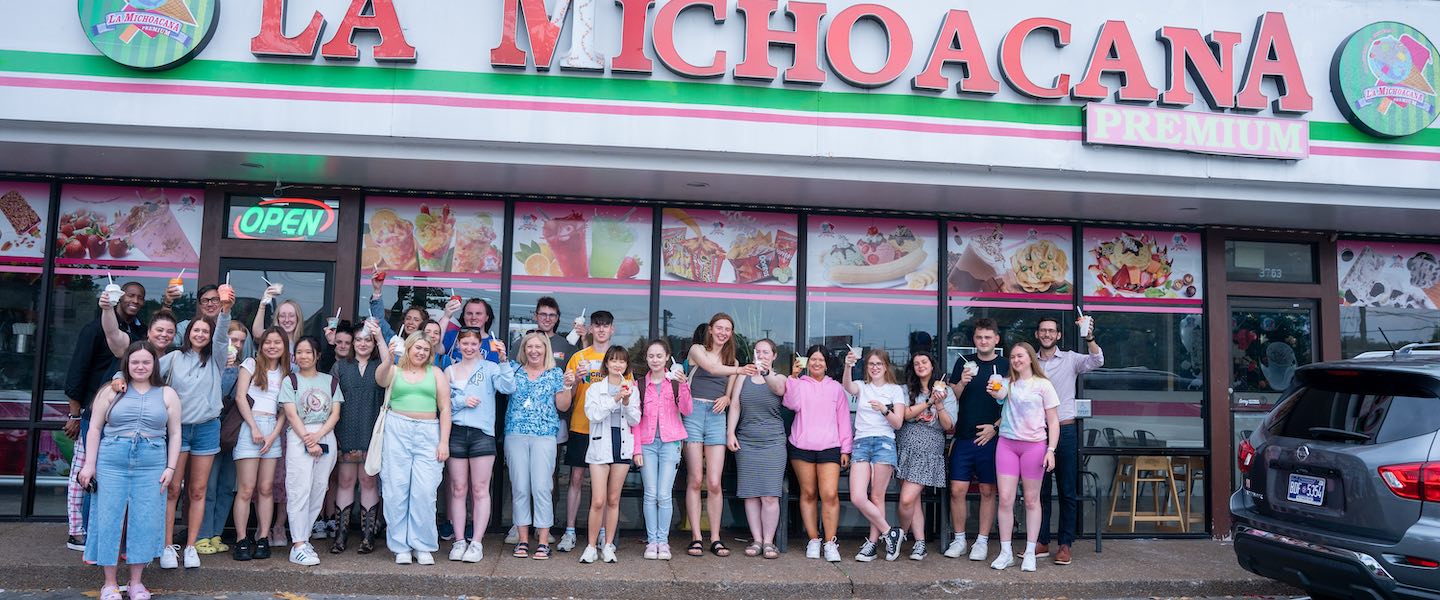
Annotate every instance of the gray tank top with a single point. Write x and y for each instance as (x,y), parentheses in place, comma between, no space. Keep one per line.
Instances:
(707,386)
(138,414)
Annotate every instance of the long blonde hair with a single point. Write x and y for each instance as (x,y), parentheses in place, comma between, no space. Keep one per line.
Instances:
(299,319)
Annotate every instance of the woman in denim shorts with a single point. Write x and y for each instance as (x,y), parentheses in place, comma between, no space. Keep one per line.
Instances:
(879,411)
(258,446)
(715,370)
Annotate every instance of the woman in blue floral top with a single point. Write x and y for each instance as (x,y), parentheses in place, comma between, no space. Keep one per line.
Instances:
(531,422)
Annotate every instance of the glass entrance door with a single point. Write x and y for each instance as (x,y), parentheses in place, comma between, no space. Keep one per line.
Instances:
(1269,339)
(308,283)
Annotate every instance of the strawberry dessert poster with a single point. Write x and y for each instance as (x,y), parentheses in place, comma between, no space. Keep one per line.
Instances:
(432,236)
(118,226)
(582,241)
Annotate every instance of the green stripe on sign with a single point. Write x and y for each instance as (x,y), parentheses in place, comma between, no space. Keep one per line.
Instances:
(613,88)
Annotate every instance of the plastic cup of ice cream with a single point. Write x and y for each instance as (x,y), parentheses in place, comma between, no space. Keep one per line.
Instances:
(178,283)
(113,293)
(972,368)
(1086,322)
(231,352)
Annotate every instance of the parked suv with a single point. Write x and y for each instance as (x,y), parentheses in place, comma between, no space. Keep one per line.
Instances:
(1340,487)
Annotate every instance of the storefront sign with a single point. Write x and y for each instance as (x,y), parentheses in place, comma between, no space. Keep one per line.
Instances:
(434,237)
(1010,261)
(149,34)
(291,219)
(1130,265)
(1387,275)
(103,225)
(1191,131)
(1384,79)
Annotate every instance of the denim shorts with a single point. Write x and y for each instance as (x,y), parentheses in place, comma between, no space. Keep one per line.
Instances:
(247,448)
(201,439)
(876,449)
(704,425)
(470,442)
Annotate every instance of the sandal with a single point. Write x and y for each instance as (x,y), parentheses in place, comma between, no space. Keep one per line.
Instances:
(138,591)
(753,549)
(697,548)
(719,549)
(542,552)
(771,551)
(110,592)
(522,551)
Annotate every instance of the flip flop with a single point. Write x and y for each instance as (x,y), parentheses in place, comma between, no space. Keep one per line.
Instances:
(753,549)
(697,548)
(719,549)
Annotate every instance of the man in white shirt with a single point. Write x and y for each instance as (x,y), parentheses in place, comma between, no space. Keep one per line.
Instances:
(1062,367)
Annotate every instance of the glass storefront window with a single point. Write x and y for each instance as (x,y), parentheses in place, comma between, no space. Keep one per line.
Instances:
(22,257)
(1151,391)
(14,450)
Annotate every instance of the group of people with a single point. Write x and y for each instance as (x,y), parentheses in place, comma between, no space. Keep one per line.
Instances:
(259,410)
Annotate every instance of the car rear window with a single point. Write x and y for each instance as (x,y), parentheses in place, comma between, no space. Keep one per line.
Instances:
(1357,408)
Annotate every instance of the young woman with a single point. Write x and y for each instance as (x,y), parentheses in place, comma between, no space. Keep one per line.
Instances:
(714,367)
(1029,432)
(417,443)
(820,444)
(476,314)
(258,449)
(876,419)
(433,337)
(312,403)
(665,399)
(613,407)
(290,319)
(130,469)
(220,493)
(757,437)
(921,443)
(474,382)
(363,396)
(531,421)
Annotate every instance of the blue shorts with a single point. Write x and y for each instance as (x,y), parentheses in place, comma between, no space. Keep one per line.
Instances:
(876,450)
(201,439)
(704,425)
(246,448)
(969,461)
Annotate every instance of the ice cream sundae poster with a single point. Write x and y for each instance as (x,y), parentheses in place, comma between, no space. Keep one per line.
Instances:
(1389,275)
(859,252)
(1135,265)
(24,206)
(728,247)
(432,237)
(582,241)
(129,226)
(1009,260)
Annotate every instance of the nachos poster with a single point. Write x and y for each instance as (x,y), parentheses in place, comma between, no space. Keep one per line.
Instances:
(728,247)
(1389,275)
(24,206)
(108,225)
(868,253)
(1008,260)
(1134,263)
(582,241)
(433,236)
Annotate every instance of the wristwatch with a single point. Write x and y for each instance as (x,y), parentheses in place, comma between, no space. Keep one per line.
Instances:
(887,410)
(74,417)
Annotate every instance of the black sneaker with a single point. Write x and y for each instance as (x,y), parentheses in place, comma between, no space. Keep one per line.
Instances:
(893,539)
(76,543)
(262,548)
(867,551)
(447,532)
(919,552)
(244,550)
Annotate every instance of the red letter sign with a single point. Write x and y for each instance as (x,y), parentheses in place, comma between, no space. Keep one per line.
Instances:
(957,43)
(1209,60)
(1272,55)
(633,14)
(370,15)
(759,37)
(1012,67)
(1115,53)
(837,45)
(544,33)
(664,39)
(271,40)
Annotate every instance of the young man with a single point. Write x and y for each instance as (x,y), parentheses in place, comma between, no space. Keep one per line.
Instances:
(972,455)
(588,364)
(1062,367)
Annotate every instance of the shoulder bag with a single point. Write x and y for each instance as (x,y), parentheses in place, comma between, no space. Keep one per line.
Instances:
(377,435)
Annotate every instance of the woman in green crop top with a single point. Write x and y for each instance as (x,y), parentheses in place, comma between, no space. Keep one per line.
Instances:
(416,444)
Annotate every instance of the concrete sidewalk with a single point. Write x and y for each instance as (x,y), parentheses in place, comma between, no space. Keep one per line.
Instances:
(33,557)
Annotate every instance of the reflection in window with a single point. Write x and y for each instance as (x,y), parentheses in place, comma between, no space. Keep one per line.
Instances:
(19,317)
(1364,329)
(765,316)
(1150,393)
(14,449)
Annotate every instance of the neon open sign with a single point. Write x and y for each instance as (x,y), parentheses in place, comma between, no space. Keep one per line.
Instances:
(290,219)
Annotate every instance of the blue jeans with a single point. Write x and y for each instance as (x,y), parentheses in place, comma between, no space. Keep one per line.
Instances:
(1066,474)
(658,473)
(219,496)
(130,499)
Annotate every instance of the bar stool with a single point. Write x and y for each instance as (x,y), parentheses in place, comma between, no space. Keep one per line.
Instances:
(1124,470)
(1154,471)
(1188,470)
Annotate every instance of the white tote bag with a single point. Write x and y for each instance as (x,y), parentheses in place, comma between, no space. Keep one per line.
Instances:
(377,437)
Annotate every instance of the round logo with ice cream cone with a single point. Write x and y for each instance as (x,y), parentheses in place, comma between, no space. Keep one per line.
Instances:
(1384,79)
(149,34)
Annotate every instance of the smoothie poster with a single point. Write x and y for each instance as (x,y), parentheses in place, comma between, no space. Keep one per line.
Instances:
(1389,275)
(1136,264)
(24,206)
(432,236)
(728,247)
(862,252)
(582,241)
(1009,260)
(126,226)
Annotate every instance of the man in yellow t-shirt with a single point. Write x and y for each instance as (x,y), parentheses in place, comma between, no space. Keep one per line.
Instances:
(588,366)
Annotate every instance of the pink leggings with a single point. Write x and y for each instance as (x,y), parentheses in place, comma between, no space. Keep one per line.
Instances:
(1015,458)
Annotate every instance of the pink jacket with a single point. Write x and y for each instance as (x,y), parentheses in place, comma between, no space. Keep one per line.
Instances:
(822,414)
(662,408)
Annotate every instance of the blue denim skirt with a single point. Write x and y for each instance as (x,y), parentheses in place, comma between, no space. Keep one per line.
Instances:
(130,498)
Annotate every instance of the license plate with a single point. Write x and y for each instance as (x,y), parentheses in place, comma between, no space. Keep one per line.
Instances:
(1306,490)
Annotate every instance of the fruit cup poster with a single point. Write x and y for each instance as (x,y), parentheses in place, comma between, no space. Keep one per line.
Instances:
(1139,264)
(1389,275)
(108,225)
(432,236)
(1013,260)
(861,252)
(582,241)
(728,247)
(22,230)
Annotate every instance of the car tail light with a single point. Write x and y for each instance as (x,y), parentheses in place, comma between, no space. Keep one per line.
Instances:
(1414,481)
(1416,561)
(1245,457)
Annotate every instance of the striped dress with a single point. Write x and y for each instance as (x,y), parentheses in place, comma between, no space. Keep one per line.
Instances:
(760,463)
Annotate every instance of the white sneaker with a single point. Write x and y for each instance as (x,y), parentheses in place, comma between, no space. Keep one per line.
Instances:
(956,547)
(192,558)
(589,555)
(567,542)
(303,555)
(513,537)
(832,550)
(169,557)
(652,551)
(1004,561)
(812,550)
(662,551)
(1028,563)
(317,531)
(608,554)
(424,558)
(457,550)
(979,550)
(402,558)
(475,553)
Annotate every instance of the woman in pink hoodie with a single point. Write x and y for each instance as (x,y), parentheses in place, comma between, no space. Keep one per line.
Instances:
(820,442)
(659,434)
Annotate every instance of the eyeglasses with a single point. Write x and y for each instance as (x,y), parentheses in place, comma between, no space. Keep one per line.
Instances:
(547,315)
(875,364)
(210,301)
(471,330)
(1047,330)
